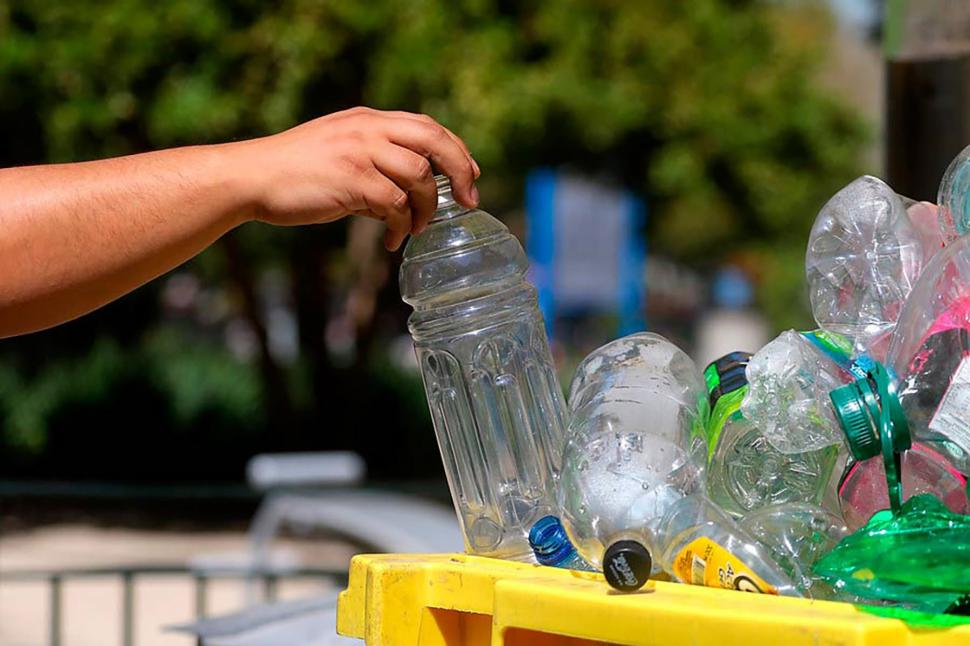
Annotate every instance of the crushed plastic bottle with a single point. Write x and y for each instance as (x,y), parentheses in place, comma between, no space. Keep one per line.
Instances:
(552,547)
(917,552)
(952,198)
(925,218)
(919,557)
(632,477)
(929,356)
(488,374)
(862,490)
(745,472)
(797,535)
(788,385)
(864,255)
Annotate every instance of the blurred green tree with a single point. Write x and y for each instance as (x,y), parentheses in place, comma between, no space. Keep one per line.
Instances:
(708,107)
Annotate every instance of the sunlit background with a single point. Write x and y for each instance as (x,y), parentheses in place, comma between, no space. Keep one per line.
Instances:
(125,435)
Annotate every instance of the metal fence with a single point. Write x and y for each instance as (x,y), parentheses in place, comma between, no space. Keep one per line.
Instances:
(267,578)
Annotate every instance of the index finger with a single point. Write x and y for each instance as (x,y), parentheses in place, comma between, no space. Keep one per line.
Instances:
(432,140)
(417,116)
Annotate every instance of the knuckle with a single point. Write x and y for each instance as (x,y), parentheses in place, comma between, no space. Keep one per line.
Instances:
(349,163)
(398,199)
(432,130)
(356,135)
(422,170)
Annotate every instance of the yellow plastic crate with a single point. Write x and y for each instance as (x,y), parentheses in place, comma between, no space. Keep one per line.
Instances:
(455,599)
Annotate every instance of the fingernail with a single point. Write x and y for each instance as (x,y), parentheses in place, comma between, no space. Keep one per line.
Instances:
(475,195)
(478,171)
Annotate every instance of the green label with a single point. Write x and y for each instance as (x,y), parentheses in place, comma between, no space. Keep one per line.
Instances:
(726,408)
(711,377)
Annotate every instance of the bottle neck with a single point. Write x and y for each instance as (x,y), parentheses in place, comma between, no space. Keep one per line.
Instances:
(447,206)
(549,542)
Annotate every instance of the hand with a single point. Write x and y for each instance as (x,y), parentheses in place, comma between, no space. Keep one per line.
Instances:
(362,162)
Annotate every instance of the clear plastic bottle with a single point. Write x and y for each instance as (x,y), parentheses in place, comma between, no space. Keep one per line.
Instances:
(632,478)
(862,490)
(635,446)
(788,385)
(552,547)
(797,535)
(864,255)
(701,545)
(954,212)
(488,374)
(745,472)
(631,482)
(641,382)
(929,356)
(614,482)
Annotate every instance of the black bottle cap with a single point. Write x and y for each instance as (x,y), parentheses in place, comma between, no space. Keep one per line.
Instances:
(627,565)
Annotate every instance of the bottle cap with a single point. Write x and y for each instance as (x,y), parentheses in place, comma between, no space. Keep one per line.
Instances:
(858,409)
(627,565)
(726,375)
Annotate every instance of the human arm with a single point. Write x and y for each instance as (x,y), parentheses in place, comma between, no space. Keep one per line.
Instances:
(76,236)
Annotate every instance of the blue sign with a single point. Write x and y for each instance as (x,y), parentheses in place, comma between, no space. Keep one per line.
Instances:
(586,248)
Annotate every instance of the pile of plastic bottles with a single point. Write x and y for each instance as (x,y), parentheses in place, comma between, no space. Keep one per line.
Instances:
(743,475)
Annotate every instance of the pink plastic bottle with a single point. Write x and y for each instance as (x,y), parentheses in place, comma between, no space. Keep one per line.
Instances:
(862,491)
(929,356)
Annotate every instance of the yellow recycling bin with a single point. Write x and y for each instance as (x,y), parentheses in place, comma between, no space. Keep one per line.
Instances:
(455,599)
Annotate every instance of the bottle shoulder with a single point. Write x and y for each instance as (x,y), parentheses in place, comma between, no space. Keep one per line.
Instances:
(461,258)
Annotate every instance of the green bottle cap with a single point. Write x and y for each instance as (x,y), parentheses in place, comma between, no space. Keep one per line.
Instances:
(873,421)
(858,407)
(857,411)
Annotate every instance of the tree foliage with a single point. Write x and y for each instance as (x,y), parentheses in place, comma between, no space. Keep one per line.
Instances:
(707,107)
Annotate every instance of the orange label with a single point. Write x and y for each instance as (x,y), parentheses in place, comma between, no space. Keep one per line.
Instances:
(704,562)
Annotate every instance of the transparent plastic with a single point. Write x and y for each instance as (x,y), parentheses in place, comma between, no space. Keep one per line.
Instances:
(864,255)
(745,472)
(928,356)
(552,547)
(694,518)
(954,214)
(613,483)
(695,542)
(862,491)
(789,381)
(635,444)
(925,218)
(797,535)
(488,374)
(641,382)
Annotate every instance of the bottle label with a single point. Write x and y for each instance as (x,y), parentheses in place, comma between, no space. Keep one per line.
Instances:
(839,350)
(726,387)
(952,416)
(704,562)
(711,377)
(726,407)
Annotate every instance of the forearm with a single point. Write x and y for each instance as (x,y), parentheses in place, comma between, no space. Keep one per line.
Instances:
(75,236)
